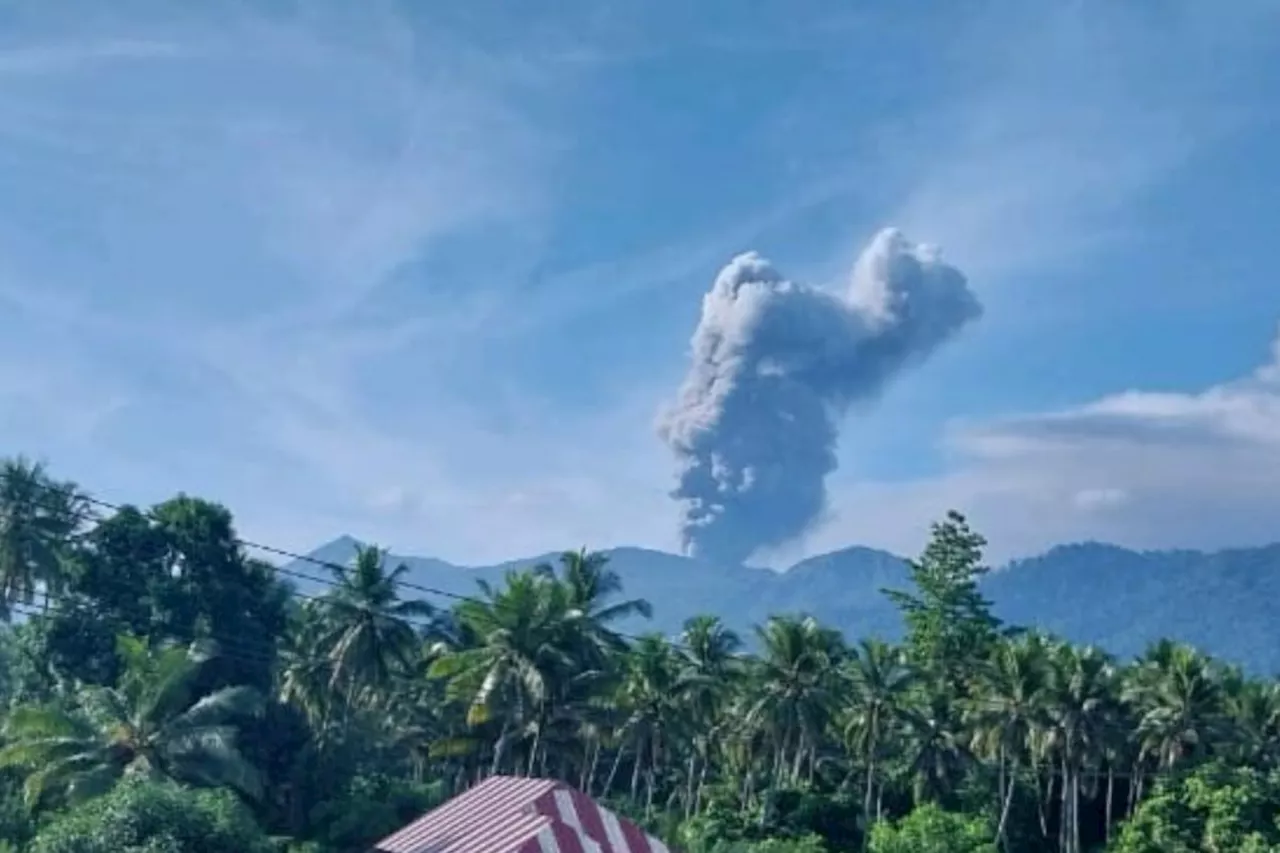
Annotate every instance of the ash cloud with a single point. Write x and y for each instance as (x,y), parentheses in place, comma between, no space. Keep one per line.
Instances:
(775,367)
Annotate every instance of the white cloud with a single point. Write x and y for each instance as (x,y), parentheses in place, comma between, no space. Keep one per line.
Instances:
(244,214)
(241,220)
(1144,469)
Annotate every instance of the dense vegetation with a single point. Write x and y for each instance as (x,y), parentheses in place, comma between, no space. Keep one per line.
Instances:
(163,690)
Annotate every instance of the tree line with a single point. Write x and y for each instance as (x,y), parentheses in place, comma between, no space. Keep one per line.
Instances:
(163,690)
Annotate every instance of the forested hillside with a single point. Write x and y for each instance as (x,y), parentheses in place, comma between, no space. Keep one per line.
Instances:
(167,690)
(1119,599)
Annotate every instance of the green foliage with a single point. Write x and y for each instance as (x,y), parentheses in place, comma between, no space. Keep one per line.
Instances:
(370,808)
(17,824)
(176,573)
(146,817)
(1214,808)
(38,516)
(949,623)
(806,844)
(339,717)
(929,829)
(805,813)
(154,723)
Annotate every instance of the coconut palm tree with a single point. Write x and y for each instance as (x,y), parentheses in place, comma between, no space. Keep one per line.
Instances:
(38,517)
(527,639)
(304,676)
(1007,711)
(797,682)
(1252,718)
(934,749)
(1081,705)
(370,635)
(712,670)
(1177,697)
(879,678)
(154,723)
(653,699)
(591,587)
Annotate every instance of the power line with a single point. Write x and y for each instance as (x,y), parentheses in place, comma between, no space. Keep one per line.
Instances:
(1037,771)
(238,648)
(90,515)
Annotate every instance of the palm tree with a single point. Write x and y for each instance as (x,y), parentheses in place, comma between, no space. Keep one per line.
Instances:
(798,680)
(1082,710)
(652,698)
(934,746)
(591,585)
(153,723)
(38,517)
(370,636)
(1008,710)
(1252,718)
(711,670)
(879,678)
(305,676)
(526,635)
(1177,698)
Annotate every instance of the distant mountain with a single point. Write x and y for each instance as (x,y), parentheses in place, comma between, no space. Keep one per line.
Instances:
(1223,602)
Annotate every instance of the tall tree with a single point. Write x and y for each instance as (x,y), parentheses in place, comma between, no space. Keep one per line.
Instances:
(371,636)
(177,572)
(879,679)
(527,641)
(1082,709)
(1177,697)
(38,516)
(1008,711)
(797,682)
(656,715)
(155,723)
(950,627)
(593,589)
(712,671)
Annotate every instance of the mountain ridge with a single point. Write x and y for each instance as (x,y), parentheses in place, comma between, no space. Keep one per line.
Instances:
(1089,592)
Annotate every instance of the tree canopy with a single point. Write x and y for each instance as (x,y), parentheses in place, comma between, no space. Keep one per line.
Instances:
(163,691)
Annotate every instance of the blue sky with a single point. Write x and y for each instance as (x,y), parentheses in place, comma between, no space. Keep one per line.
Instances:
(425,272)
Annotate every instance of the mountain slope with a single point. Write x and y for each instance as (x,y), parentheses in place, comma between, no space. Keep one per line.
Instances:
(1092,593)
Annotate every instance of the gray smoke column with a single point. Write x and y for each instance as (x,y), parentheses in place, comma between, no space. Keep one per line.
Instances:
(776,365)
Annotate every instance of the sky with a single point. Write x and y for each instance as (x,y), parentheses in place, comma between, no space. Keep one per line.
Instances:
(426,273)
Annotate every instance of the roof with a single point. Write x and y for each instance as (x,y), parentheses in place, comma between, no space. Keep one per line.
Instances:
(509,815)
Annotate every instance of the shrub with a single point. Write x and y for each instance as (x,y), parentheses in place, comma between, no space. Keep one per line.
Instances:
(152,817)
(929,829)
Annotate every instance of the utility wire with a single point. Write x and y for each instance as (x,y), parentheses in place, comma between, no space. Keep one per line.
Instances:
(241,650)
(1047,770)
(92,504)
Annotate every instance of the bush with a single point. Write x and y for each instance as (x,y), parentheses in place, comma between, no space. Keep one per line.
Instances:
(1214,807)
(371,807)
(929,829)
(806,844)
(16,824)
(151,817)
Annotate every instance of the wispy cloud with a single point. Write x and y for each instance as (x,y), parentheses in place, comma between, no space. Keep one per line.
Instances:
(304,226)
(1141,468)
(243,219)
(274,254)
(1045,153)
(74,57)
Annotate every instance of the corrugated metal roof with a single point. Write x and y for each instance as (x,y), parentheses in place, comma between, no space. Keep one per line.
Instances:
(508,815)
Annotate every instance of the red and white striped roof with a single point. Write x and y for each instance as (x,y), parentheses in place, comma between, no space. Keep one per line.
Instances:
(508,815)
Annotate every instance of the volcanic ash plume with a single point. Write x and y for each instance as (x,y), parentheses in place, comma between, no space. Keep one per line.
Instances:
(776,365)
